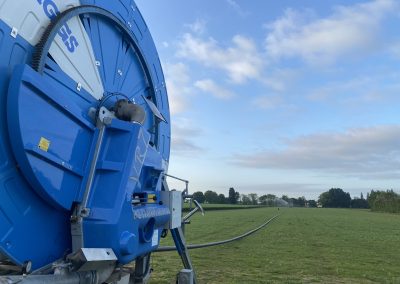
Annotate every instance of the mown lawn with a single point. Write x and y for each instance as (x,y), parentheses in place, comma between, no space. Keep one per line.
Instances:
(301,246)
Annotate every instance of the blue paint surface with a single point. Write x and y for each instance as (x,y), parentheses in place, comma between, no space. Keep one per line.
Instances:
(40,186)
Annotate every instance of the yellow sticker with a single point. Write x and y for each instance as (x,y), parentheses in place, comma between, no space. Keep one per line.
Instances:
(44,144)
(151,198)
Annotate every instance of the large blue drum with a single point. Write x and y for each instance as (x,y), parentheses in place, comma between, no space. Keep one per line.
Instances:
(61,63)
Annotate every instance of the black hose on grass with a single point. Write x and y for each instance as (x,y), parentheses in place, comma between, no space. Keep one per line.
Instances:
(172,248)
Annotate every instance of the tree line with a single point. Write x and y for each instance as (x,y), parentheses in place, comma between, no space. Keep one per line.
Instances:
(377,200)
(337,198)
(234,197)
(384,201)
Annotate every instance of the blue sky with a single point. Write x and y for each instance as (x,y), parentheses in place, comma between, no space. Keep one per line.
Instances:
(283,97)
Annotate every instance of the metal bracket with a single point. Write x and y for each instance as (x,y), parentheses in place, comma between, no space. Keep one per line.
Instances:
(186,276)
(105,116)
(88,259)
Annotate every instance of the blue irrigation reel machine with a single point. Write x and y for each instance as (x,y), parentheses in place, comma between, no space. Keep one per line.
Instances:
(84,144)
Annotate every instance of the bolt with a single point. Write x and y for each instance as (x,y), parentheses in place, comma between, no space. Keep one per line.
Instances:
(27,267)
(85,212)
(14,32)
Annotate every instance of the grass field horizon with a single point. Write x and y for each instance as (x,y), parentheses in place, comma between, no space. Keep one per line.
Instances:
(304,245)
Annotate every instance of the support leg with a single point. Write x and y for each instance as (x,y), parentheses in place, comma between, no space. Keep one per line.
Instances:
(142,270)
(180,243)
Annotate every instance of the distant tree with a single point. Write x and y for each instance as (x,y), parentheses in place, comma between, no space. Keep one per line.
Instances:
(335,198)
(286,198)
(294,202)
(245,199)
(254,198)
(324,199)
(211,197)
(263,199)
(384,201)
(237,195)
(221,199)
(232,197)
(359,203)
(371,197)
(271,200)
(312,203)
(301,201)
(297,202)
(199,196)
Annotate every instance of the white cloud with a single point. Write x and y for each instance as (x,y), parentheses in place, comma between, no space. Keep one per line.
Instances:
(238,9)
(183,135)
(198,27)
(178,86)
(209,86)
(267,102)
(241,60)
(280,79)
(349,88)
(394,49)
(364,152)
(348,30)
(382,87)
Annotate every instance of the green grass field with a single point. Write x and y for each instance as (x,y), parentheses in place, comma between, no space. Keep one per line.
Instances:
(301,246)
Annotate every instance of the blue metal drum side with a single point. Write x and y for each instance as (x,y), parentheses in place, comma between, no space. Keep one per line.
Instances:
(128,13)
(102,226)
(42,111)
(28,225)
(36,195)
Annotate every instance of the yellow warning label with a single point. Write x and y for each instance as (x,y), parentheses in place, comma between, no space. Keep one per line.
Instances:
(151,198)
(44,144)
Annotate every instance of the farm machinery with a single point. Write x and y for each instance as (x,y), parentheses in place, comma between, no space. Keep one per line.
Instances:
(84,145)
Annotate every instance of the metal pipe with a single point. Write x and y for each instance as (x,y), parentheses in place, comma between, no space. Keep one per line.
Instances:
(172,248)
(92,171)
(191,213)
(174,177)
